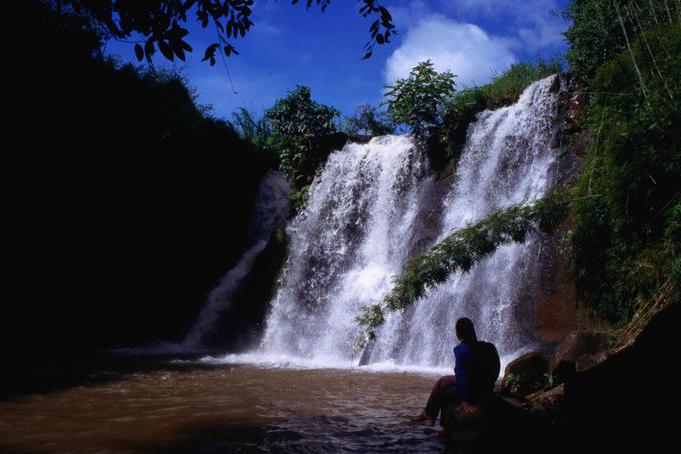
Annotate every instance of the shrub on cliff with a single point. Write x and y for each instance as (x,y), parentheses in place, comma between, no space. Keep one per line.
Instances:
(418,101)
(299,121)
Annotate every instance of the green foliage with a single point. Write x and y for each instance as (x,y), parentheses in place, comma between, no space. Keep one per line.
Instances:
(596,34)
(461,249)
(460,111)
(258,131)
(250,128)
(298,197)
(627,241)
(298,120)
(368,120)
(506,88)
(513,383)
(419,100)
(161,24)
(549,380)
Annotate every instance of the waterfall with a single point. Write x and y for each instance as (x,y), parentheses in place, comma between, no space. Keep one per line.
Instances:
(270,210)
(374,206)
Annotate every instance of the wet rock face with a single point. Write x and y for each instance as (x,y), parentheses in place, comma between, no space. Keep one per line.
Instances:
(555,295)
(556,307)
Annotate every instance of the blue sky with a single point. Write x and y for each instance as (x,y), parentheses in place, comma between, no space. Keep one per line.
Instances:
(289,45)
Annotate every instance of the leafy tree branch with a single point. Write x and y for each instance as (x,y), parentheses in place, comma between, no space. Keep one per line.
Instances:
(162,24)
(464,248)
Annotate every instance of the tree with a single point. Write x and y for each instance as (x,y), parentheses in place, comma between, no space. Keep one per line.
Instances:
(152,24)
(367,120)
(298,120)
(419,100)
(600,29)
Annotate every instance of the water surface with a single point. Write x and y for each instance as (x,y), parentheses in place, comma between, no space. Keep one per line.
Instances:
(225,408)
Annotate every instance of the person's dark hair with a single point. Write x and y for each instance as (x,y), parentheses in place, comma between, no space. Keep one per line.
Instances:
(465,330)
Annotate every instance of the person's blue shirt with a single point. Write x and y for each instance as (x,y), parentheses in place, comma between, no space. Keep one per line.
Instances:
(463,369)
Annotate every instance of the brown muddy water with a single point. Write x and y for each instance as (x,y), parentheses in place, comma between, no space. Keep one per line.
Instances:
(225,408)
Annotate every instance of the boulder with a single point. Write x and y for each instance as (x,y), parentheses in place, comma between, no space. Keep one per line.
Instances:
(525,375)
(576,344)
(497,423)
(588,361)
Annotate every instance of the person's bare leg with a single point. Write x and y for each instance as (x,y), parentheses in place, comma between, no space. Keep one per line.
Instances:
(436,400)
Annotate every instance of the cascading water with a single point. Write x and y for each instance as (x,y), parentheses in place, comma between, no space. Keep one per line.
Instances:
(270,210)
(374,206)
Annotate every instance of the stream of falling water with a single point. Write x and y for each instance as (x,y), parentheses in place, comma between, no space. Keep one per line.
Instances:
(374,206)
(371,208)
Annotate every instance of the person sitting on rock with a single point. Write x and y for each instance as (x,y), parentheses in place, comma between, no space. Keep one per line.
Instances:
(471,381)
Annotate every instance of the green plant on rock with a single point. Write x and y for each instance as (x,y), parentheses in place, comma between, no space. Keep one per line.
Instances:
(298,120)
(418,101)
(549,380)
(512,382)
(298,197)
(460,111)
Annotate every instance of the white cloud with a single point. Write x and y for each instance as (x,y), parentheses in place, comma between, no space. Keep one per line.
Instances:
(465,49)
(536,22)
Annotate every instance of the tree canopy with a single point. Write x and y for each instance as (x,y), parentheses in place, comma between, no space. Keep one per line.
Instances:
(297,120)
(419,100)
(368,120)
(162,24)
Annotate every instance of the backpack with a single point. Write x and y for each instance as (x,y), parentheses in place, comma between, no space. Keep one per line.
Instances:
(487,366)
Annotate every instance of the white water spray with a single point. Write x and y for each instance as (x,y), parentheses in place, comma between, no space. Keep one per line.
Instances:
(374,206)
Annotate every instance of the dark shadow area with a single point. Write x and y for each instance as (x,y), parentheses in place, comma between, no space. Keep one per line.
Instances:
(630,399)
(124,201)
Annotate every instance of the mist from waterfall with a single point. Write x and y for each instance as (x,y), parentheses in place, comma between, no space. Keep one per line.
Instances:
(374,206)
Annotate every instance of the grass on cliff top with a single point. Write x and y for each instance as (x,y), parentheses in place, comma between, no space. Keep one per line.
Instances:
(506,88)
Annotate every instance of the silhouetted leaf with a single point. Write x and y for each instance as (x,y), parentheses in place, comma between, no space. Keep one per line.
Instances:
(185,46)
(165,49)
(139,52)
(210,52)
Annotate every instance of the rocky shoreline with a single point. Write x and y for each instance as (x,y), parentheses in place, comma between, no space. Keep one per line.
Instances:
(582,396)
